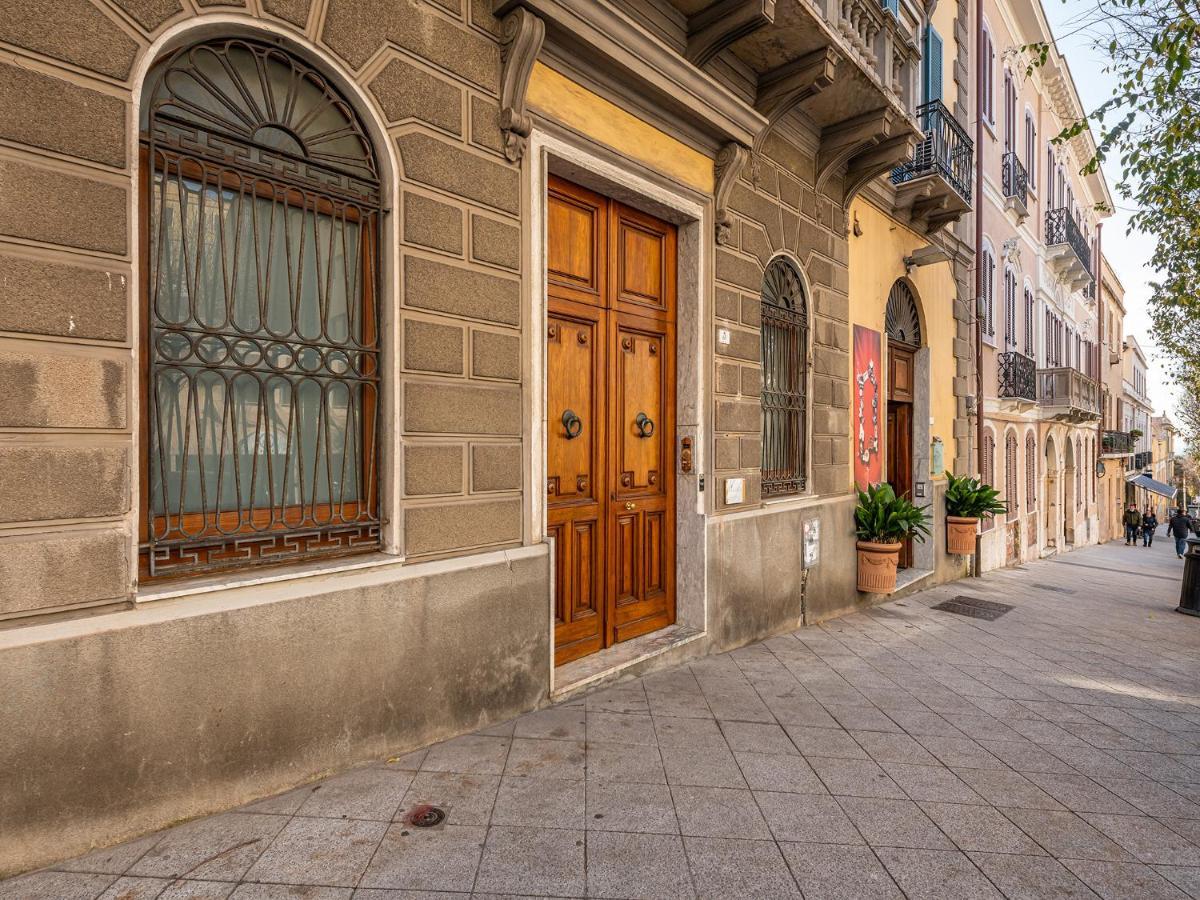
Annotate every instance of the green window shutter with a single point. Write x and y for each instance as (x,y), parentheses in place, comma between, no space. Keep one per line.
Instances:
(932,65)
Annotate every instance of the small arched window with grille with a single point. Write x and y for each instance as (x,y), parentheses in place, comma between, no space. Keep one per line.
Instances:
(1030,471)
(1011,488)
(261,341)
(785,380)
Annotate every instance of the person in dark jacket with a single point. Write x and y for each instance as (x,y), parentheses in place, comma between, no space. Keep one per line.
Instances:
(1149,523)
(1133,524)
(1179,526)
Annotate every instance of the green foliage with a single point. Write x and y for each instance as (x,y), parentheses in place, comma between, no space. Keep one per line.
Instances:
(970,498)
(1135,433)
(883,518)
(1151,123)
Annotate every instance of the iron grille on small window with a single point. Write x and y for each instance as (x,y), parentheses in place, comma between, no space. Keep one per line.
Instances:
(262,338)
(785,376)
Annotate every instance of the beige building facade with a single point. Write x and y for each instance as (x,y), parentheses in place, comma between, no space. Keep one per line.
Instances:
(1116,444)
(1041,330)
(381,370)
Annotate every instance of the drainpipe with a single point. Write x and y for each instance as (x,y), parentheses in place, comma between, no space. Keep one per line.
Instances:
(1099,333)
(978,335)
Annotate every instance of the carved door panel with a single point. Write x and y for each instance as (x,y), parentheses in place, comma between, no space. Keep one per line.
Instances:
(642,554)
(610,395)
(575,438)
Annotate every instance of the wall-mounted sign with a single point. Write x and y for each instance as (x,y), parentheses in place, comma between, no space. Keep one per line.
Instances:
(812,542)
(937,457)
(866,400)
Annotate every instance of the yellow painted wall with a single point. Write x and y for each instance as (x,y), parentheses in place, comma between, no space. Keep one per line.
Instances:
(558,97)
(876,261)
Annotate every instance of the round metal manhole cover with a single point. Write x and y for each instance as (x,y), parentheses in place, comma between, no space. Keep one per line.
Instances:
(426,816)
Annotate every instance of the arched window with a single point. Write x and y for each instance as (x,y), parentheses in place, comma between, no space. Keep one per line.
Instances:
(989,470)
(1030,471)
(1010,308)
(901,319)
(988,264)
(1079,473)
(1011,489)
(1031,148)
(1030,332)
(261,325)
(785,379)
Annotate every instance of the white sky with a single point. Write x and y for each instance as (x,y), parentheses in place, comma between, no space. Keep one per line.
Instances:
(1128,254)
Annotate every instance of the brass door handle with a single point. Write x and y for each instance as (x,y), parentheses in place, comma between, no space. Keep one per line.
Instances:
(630,504)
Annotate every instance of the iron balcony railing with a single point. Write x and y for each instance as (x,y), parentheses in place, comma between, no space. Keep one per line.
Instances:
(1061,228)
(1018,376)
(946,151)
(1116,442)
(1015,180)
(1142,460)
(1069,390)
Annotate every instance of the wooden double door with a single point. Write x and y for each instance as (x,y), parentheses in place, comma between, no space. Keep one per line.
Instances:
(610,402)
(901,371)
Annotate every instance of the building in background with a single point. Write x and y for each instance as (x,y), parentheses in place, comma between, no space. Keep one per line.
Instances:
(1039,308)
(418,362)
(1136,412)
(1162,465)
(1116,443)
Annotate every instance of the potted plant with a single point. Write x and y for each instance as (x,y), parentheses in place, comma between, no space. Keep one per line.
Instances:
(1135,433)
(967,501)
(882,522)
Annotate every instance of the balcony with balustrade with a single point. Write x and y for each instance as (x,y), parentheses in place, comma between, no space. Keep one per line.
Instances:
(1067,395)
(1067,251)
(1115,444)
(1018,381)
(935,185)
(1015,182)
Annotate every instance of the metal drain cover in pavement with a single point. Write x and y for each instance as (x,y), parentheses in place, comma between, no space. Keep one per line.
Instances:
(974,607)
(1053,587)
(425,816)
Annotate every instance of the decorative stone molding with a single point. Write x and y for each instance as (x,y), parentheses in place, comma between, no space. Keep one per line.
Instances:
(713,29)
(523,34)
(868,146)
(730,161)
(782,89)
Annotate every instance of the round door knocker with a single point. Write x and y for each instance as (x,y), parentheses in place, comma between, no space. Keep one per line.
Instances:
(645,425)
(572,423)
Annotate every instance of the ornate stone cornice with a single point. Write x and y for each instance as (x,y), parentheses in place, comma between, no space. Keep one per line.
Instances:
(523,34)
(713,29)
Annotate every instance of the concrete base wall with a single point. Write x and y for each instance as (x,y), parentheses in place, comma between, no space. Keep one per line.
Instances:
(123,723)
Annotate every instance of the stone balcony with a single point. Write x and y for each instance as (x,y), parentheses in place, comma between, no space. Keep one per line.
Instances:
(1067,395)
(935,185)
(1067,252)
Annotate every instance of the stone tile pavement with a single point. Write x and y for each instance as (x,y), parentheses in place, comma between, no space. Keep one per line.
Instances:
(901,752)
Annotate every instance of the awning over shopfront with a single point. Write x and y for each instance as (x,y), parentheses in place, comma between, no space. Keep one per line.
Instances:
(1154,487)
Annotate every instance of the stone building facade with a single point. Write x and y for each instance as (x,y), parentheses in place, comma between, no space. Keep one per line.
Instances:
(286,288)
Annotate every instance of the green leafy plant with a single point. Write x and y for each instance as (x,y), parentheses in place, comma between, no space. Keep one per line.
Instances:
(1135,433)
(970,498)
(883,518)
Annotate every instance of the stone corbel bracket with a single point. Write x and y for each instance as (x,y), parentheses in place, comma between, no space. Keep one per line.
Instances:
(713,29)
(730,161)
(782,89)
(522,33)
(868,146)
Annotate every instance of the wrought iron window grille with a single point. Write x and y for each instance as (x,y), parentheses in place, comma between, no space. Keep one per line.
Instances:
(784,394)
(1018,376)
(262,339)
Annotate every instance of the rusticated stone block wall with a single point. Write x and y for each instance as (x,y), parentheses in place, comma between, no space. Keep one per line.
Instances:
(776,209)
(430,71)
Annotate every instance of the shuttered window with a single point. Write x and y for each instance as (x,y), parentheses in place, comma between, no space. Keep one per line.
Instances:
(1010,308)
(932,65)
(1011,489)
(1029,323)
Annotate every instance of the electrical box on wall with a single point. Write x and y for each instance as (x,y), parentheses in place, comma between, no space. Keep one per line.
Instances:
(735,490)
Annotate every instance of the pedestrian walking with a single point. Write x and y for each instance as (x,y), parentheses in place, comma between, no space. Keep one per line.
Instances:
(1149,523)
(1179,526)
(1133,524)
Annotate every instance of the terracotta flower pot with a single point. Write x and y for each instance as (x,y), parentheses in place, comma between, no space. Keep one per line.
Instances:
(877,567)
(960,535)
